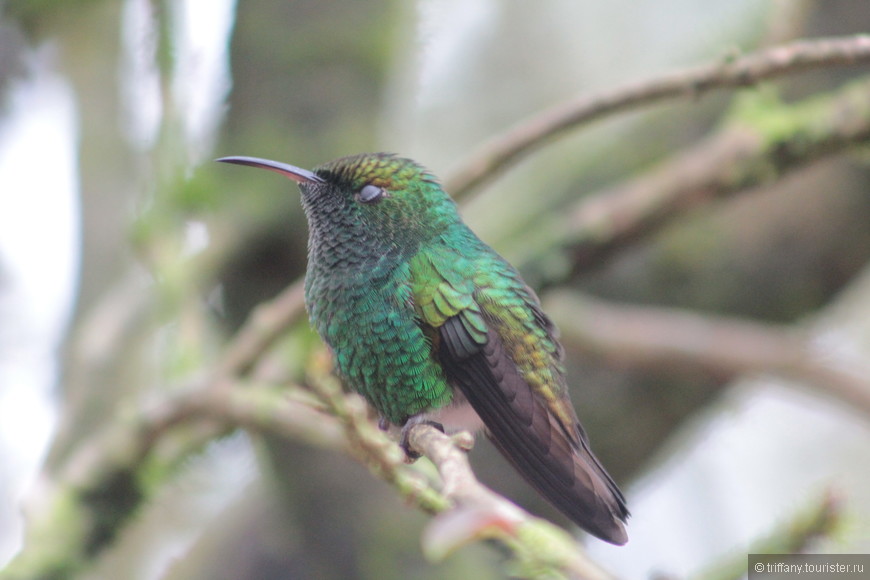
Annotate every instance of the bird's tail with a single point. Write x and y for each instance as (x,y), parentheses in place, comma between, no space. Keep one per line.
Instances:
(572,479)
(552,456)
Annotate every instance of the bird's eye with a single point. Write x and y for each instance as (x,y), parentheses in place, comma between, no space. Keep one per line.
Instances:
(370,193)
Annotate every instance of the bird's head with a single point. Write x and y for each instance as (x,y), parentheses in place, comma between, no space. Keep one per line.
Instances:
(373,197)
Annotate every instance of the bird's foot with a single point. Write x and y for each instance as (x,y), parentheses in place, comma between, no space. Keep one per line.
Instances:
(411,455)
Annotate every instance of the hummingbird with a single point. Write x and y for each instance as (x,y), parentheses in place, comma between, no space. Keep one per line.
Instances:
(428,323)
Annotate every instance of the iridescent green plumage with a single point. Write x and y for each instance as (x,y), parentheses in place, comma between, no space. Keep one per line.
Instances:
(426,322)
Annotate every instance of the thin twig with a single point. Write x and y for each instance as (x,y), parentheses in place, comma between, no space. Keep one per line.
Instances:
(509,147)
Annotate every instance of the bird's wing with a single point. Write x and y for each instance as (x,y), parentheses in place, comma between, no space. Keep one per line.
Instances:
(500,350)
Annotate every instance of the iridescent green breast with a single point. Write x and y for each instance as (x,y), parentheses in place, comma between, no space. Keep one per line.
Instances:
(380,351)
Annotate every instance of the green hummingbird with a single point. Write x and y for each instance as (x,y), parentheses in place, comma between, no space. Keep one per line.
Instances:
(429,323)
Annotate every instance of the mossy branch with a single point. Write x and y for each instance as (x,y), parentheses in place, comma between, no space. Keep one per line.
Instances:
(506,149)
(539,548)
(111,478)
(467,510)
(761,142)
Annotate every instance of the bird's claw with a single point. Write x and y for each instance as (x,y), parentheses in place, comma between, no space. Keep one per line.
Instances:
(405,443)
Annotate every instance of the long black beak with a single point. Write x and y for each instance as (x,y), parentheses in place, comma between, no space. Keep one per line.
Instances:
(297,174)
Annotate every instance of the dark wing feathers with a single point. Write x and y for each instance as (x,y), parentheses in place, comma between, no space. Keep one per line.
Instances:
(457,340)
(477,312)
(536,443)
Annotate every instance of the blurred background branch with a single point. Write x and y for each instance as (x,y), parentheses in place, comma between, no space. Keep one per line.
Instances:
(504,150)
(661,339)
(762,141)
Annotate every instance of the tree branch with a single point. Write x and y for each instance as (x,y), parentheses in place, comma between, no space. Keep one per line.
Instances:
(506,149)
(264,326)
(762,142)
(468,510)
(663,338)
(369,444)
(104,489)
(104,483)
(541,549)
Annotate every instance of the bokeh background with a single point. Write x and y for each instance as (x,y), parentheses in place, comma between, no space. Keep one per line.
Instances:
(127,258)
